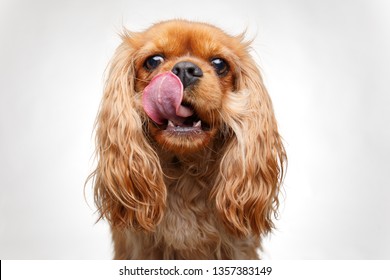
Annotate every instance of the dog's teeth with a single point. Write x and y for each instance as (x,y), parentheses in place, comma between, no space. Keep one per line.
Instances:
(197,124)
(170,124)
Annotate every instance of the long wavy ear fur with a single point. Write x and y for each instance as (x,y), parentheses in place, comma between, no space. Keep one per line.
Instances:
(129,187)
(251,169)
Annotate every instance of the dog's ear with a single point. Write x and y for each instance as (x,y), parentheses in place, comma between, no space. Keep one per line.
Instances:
(252,164)
(129,186)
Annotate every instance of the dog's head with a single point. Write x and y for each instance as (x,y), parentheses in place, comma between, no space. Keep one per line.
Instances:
(185,72)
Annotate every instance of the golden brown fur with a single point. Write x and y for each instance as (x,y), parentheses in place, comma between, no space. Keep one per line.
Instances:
(210,195)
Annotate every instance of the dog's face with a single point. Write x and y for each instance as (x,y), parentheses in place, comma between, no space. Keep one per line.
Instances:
(206,61)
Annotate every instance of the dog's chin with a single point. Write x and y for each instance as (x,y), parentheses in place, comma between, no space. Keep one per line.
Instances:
(189,137)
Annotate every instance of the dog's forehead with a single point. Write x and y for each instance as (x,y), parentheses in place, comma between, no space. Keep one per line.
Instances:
(181,38)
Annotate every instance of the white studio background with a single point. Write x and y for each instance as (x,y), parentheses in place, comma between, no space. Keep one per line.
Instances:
(326,65)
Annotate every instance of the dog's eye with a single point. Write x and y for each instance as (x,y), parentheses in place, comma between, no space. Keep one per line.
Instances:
(153,62)
(221,67)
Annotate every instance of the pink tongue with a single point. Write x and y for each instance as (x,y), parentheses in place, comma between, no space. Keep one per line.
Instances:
(162,99)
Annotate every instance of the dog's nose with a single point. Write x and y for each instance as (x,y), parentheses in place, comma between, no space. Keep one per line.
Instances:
(187,72)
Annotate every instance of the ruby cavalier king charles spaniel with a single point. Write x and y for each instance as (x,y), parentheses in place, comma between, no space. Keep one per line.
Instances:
(190,160)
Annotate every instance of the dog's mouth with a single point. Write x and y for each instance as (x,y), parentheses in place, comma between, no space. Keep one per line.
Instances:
(190,125)
(164,102)
(178,124)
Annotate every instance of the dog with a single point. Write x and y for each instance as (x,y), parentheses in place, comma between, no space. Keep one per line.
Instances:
(190,160)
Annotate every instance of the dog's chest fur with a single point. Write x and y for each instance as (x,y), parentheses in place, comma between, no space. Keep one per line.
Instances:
(189,223)
(190,228)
